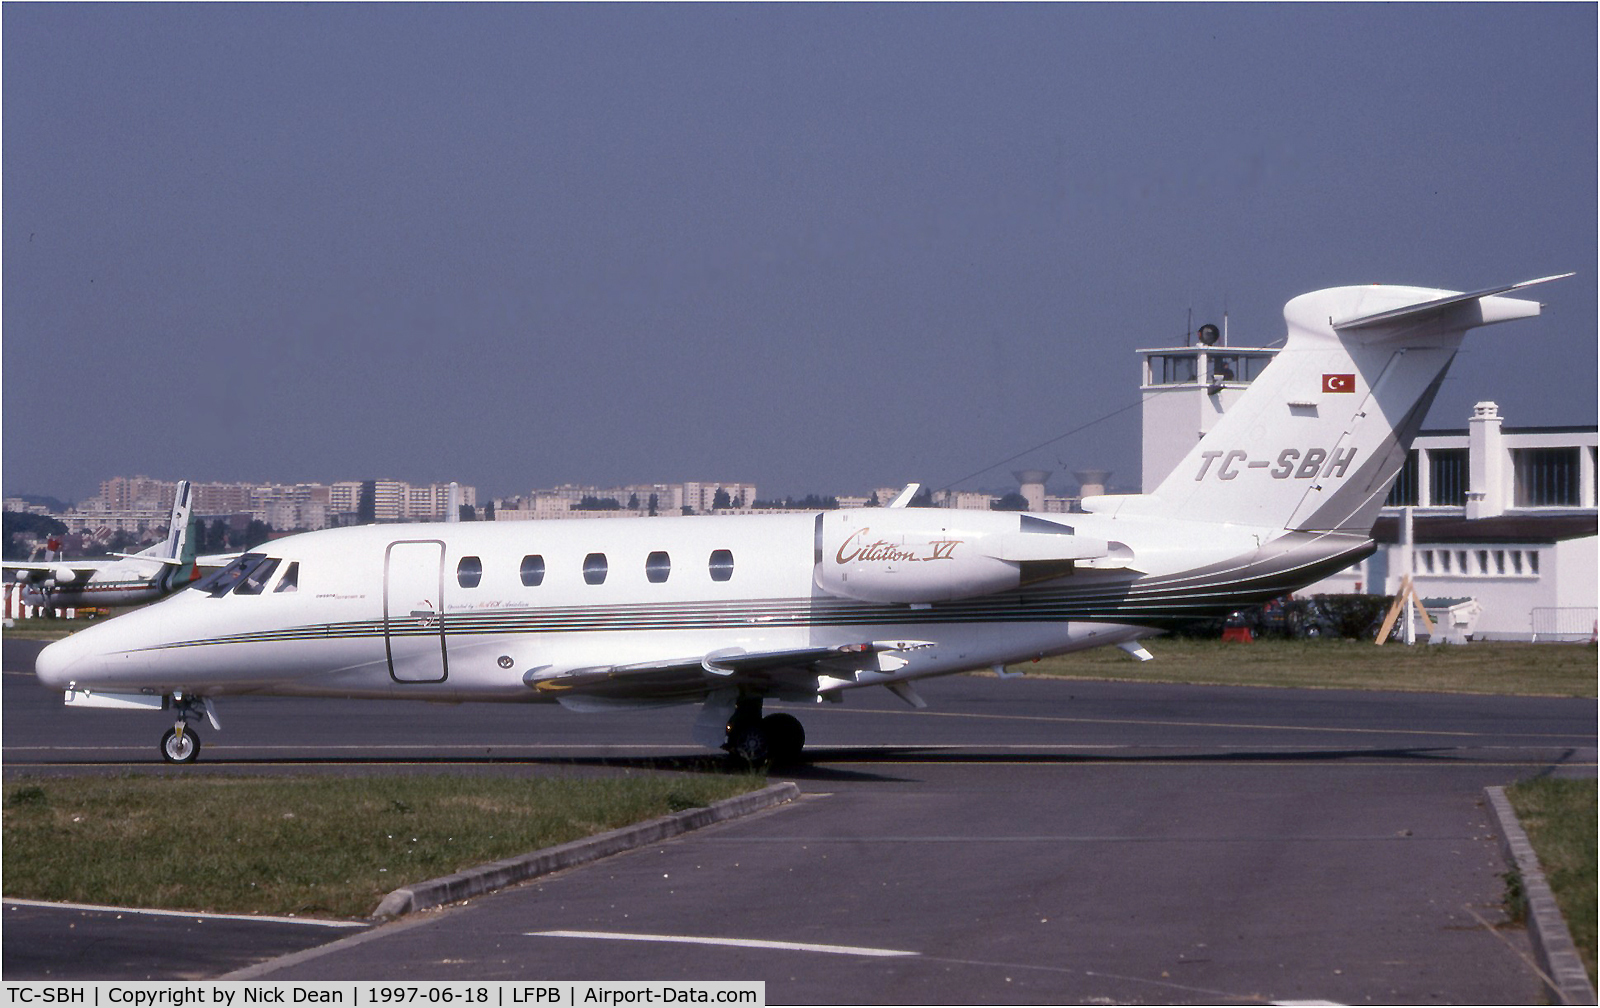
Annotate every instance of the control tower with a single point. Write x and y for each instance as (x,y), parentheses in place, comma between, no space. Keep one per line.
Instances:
(1185,389)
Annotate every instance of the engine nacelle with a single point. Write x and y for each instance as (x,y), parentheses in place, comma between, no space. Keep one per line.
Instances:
(62,575)
(920,555)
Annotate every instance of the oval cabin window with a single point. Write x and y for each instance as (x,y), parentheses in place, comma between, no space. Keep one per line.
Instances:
(657,567)
(532,570)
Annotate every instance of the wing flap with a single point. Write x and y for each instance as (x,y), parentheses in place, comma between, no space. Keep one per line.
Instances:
(689,678)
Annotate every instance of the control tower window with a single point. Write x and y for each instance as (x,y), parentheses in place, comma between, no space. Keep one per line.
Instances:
(1173,369)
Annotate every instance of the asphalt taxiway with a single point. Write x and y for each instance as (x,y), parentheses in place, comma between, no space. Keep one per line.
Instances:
(1021,841)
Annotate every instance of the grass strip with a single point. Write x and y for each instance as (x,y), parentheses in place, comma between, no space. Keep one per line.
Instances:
(311,846)
(37,628)
(1560,820)
(1505,668)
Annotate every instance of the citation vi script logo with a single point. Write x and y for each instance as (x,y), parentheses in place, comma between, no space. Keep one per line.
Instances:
(1338,383)
(851,550)
(1308,464)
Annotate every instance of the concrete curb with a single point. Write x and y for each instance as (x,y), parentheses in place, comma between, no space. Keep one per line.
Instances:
(498,874)
(1566,981)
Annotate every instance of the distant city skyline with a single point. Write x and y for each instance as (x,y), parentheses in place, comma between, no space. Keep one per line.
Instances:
(815,247)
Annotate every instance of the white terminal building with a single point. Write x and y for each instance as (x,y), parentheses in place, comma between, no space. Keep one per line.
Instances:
(1505,516)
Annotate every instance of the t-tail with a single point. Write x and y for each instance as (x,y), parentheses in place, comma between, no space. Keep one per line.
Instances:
(1314,443)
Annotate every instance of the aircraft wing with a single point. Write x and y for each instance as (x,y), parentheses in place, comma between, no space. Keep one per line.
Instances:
(689,678)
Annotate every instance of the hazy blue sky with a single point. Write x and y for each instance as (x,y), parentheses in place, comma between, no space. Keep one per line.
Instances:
(816,247)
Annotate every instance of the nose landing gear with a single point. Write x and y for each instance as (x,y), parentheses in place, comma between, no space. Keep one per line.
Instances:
(181,744)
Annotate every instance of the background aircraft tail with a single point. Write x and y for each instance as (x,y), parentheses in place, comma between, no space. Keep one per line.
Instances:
(177,550)
(1314,443)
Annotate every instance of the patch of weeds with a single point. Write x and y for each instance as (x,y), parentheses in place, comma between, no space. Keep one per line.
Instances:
(28,794)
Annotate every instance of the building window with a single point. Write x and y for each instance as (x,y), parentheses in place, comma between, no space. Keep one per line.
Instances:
(532,570)
(469,572)
(594,568)
(1404,491)
(1447,476)
(1236,367)
(721,565)
(657,567)
(1547,477)
(1173,369)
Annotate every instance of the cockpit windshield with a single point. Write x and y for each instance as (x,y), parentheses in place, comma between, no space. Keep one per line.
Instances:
(247,575)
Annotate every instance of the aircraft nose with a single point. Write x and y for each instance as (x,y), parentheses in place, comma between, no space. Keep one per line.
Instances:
(56,663)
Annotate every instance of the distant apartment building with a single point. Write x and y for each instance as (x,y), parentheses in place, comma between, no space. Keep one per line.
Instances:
(568,500)
(138,503)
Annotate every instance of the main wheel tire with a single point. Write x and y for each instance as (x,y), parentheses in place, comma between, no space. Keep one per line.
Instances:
(176,749)
(786,736)
(748,744)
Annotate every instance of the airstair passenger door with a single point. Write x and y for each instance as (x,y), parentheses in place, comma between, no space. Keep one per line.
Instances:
(413,611)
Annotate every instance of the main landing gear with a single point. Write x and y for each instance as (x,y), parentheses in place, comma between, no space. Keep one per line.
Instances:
(754,740)
(181,743)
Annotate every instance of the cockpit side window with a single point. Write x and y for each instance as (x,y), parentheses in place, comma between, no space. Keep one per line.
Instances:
(255,579)
(291,579)
(221,582)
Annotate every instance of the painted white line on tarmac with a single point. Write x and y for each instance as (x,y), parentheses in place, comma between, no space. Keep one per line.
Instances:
(263,918)
(733,942)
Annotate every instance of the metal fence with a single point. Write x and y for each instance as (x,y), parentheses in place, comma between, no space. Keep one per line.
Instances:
(1577,623)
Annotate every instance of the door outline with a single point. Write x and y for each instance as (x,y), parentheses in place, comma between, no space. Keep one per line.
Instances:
(418,570)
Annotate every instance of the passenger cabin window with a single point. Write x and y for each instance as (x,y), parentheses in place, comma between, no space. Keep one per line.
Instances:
(594,568)
(657,567)
(469,572)
(291,579)
(532,570)
(721,565)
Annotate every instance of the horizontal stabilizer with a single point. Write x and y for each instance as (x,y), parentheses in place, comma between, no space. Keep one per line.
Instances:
(1428,307)
(170,561)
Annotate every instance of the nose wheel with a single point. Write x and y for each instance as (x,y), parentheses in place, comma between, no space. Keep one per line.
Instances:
(179,745)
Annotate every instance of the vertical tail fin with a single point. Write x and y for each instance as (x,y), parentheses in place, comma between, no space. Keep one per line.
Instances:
(1315,442)
(182,542)
(178,524)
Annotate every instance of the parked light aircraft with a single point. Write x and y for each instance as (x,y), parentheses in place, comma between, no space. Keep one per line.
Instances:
(727,611)
(130,579)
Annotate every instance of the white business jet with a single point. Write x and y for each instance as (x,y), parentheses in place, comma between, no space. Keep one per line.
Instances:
(129,579)
(727,611)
